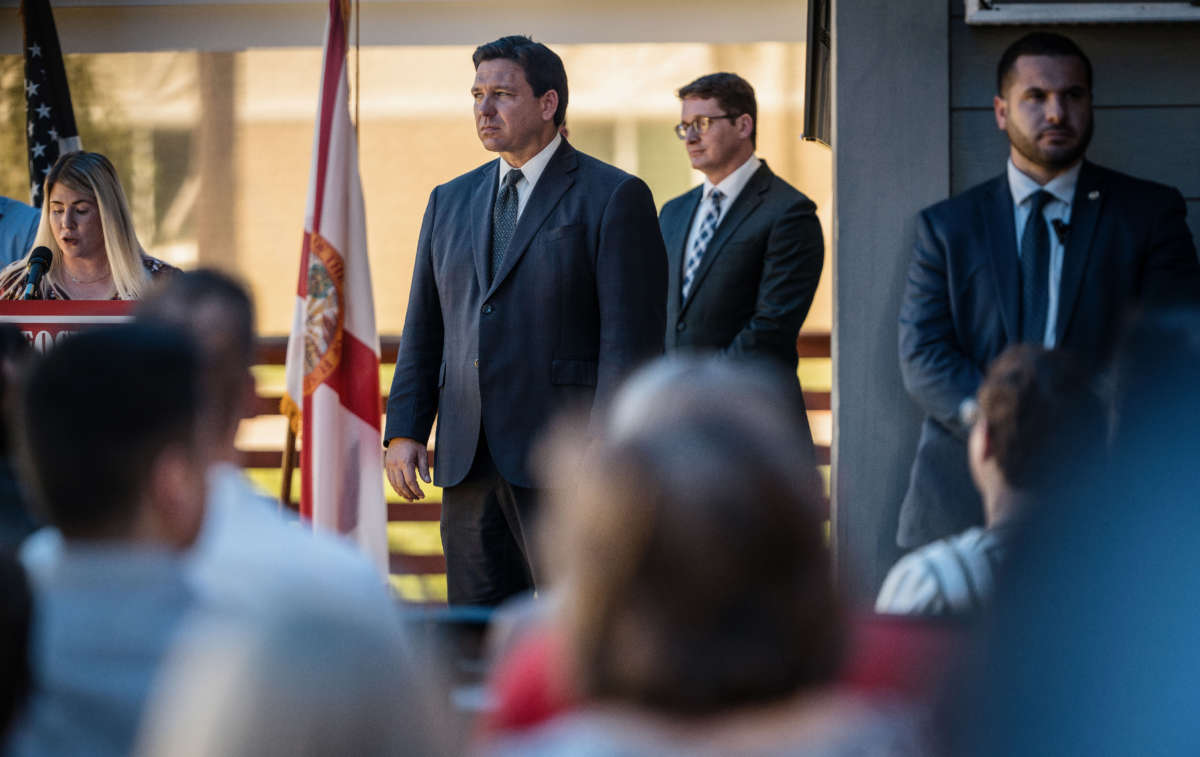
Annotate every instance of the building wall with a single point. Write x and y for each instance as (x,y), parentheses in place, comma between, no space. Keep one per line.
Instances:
(912,124)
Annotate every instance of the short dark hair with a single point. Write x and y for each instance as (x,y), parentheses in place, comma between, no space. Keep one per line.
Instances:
(1040,407)
(14,349)
(1039,43)
(219,313)
(543,68)
(732,92)
(99,409)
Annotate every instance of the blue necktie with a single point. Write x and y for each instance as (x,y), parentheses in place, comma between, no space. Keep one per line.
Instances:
(504,218)
(1035,271)
(695,254)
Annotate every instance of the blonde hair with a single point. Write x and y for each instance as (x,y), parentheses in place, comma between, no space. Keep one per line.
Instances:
(93,174)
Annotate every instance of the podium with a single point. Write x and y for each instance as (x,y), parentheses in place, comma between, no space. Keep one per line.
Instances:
(47,322)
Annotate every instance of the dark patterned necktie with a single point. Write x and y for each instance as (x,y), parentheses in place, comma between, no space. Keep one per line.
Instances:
(708,227)
(504,218)
(1035,271)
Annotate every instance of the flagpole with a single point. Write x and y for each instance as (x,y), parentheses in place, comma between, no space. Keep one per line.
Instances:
(357,79)
(289,465)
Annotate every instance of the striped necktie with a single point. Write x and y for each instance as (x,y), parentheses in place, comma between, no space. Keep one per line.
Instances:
(695,254)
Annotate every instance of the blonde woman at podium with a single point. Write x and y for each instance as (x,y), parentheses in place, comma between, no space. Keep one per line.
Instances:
(87,229)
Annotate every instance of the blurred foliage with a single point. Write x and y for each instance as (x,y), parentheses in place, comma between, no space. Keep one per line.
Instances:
(102,128)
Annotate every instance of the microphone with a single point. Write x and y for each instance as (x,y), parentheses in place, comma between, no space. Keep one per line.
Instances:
(1062,230)
(39,263)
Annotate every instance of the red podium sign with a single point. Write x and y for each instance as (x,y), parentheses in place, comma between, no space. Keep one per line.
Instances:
(47,322)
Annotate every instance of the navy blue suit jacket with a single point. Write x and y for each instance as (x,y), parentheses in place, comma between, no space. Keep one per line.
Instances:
(578,302)
(1128,243)
(758,275)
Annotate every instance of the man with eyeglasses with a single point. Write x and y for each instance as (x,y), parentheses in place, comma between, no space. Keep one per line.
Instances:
(744,249)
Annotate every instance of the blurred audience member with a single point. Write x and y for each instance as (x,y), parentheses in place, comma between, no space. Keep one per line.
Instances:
(698,609)
(1091,647)
(246,548)
(108,436)
(1033,405)
(16,610)
(88,228)
(309,681)
(18,229)
(16,522)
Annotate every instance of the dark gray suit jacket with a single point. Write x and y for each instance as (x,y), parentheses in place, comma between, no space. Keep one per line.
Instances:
(1128,243)
(757,278)
(578,302)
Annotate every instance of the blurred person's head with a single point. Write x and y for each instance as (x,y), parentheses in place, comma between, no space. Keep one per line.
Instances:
(16,612)
(307,680)
(1156,382)
(1036,411)
(1091,642)
(86,214)
(694,573)
(109,436)
(219,314)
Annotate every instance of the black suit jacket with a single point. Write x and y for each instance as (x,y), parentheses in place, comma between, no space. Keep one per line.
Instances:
(758,275)
(577,303)
(1128,243)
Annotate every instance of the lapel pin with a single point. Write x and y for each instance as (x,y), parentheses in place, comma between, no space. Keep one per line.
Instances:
(1094,194)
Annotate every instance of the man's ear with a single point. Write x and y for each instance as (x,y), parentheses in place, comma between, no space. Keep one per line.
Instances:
(744,125)
(176,494)
(987,450)
(549,102)
(1000,108)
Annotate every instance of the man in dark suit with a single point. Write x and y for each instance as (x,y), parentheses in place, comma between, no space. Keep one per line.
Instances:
(1050,252)
(744,249)
(539,283)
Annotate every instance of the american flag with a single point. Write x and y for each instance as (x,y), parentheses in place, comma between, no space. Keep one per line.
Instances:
(49,118)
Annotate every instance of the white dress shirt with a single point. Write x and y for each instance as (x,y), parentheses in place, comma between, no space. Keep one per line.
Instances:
(1062,188)
(530,172)
(731,186)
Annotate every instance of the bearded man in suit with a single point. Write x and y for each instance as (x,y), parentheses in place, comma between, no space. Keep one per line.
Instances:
(1051,252)
(539,283)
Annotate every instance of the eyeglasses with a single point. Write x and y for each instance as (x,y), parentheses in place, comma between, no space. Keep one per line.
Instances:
(700,123)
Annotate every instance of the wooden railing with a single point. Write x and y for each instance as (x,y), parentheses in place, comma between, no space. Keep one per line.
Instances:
(272,351)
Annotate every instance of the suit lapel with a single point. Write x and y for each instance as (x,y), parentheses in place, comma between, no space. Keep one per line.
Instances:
(676,243)
(1001,241)
(747,200)
(482,200)
(552,185)
(1085,212)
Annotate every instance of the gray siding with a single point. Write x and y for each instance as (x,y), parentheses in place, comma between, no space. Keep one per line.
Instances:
(889,71)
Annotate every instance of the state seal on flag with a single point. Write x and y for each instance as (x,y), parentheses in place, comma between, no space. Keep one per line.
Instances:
(324,313)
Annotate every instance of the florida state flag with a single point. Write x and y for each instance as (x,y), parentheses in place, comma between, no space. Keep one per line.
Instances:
(333,396)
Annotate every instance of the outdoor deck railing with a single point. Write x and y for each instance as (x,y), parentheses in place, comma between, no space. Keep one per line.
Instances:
(417,566)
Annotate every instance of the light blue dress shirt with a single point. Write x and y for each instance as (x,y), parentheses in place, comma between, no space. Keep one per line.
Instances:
(18,228)
(1062,187)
